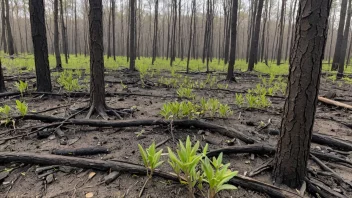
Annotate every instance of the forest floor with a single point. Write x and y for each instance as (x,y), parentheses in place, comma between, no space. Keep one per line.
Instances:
(21,180)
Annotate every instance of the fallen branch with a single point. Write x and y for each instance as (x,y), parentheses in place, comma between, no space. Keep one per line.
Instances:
(323,190)
(81,151)
(326,140)
(326,168)
(269,150)
(335,103)
(226,131)
(47,159)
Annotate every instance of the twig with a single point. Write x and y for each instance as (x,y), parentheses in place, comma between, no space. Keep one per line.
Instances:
(162,142)
(142,190)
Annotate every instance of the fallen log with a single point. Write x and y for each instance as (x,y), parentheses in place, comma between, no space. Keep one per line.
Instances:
(226,131)
(335,103)
(325,140)
(269,150)
(81,151)
(47,159)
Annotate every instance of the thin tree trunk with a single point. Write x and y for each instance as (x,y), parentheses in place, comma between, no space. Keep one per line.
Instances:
(254,44)
(344,43)
(281,33)
(340,30)
(230,75)
(113,29)
(3,26)
(155,37)
(56,35)
(97,85)
(63,33)
(132,34)
(10,45)
(332,34)
(37,16)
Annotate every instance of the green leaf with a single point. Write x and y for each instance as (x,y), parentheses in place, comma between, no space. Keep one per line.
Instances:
(226,187)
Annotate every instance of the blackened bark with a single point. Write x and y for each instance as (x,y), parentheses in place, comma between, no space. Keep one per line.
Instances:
(265,20)
(227,29)
(132,34)
(10,45)
(190,34)
(340,30)
(37,16)
(2,80)
(346,33)
(155,36)
(113,29)
(230,75)
(289,30)
(63,33)
(76,29)
(56,35)
(281,33)
(3,26)
(97,85)
(255,39)
(307,53)
(109,35)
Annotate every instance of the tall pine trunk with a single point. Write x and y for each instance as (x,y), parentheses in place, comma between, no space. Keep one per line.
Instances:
(40,45)
(307,53)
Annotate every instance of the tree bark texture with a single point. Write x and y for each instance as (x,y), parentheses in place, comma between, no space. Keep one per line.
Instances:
(230,75)
(290,164)
(37,17)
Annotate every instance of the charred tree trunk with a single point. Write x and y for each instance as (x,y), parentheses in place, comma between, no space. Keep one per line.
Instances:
(37,16)
(155,36)
(230,75)
(56,35)
(281,33)
(344,43)
(11,48)
(132,34)
(97,84)
(3,26)
(265,21)
(191,34)
(255,39)
(76,29)
(113,29)
(227,29)
(2,80)
(340,30)
(63,33)
(290,164)
(289,29)
(109,35)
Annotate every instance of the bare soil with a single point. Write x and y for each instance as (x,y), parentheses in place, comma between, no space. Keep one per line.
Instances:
(122,143)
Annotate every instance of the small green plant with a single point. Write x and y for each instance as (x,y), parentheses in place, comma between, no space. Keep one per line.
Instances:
(213,106)
(186,163)
(123,86)
(239,100)
(251,100)
(67,81)
(263,102)
(151,158)
(185,93)
(225,111)
(217,175)
(5,113)
(21,86)
(180,110)
(22,107)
